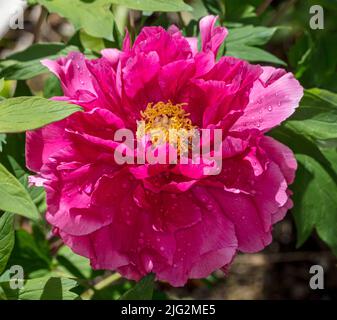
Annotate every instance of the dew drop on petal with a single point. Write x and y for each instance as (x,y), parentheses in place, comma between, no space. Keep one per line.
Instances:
(147,262)
(270,108)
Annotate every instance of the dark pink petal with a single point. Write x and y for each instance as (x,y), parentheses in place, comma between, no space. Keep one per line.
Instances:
(282,156)
(169,46)
(139,71)
(42,143)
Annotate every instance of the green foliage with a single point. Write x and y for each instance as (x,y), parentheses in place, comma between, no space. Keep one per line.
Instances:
(6,239)
(242,42)
(154,5)
(313,133)
(46,288)
(29,113)
(76,265)
(88,41)
(31,251)
(317,116)
(84,15)
(315,202)
(143,290)
(14,197)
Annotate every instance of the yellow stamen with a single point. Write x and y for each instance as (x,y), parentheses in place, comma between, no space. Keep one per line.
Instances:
(167,122)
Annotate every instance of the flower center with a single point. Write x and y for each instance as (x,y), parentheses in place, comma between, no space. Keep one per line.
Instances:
(167,122)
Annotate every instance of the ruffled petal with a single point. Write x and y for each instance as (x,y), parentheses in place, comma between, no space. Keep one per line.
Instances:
(212,37)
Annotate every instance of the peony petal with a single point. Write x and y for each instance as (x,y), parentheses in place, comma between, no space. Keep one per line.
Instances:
(42,143)
(282,156)
(73,74)
(272,100)
(212,37)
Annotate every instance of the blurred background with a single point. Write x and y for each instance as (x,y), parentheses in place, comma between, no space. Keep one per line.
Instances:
(281,271)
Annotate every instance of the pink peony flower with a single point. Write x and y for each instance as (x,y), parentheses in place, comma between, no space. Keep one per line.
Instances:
(172,220)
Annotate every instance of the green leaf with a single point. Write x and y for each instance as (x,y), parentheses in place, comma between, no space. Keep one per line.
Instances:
(143,290)
(46,288)
(311,69)
(26,64)
(239,10)
(199,9)
(29,113)
(90,42)
(37,194)
(32,252)
(315,202)
(14,197)
(154,5)
(241,43)
(2,84)
(302,145)
(316,117)
(331,155)
(6,239)
(77,266)
(52,87)
(299,53)
(94,17)
(250,35)
(252,54)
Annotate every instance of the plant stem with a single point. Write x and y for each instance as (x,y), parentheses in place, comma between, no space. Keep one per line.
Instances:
(87,295)
(263,7)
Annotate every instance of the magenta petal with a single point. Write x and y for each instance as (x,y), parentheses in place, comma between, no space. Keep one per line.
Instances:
(249,224)
(42,143)
(73,74)
(139,71)
(282,156)
(212,37)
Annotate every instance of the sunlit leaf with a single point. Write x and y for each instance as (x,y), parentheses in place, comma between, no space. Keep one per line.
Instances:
(14,197)
(94,17)
(154,5)
(6,239)
(28,113)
